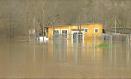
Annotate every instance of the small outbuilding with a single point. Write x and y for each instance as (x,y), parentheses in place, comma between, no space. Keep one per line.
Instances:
(74,31)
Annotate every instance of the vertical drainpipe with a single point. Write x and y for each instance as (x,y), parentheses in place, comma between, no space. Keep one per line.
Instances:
(52,29)
(115,25)
(81,31)
(80,27)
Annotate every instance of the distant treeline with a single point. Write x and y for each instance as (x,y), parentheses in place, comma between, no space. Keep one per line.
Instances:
(17,16)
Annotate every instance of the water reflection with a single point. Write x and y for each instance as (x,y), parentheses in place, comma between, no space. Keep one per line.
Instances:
(34,59)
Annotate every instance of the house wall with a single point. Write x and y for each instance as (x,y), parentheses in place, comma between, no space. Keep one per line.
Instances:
(50,30)
(90,33)
(91,30)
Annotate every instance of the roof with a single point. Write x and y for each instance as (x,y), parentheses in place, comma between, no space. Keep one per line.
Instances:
(77,29)
(73,25)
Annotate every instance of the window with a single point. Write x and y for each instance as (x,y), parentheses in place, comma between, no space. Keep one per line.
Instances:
(86,30)
(64,33)
(56,33)
(96,30)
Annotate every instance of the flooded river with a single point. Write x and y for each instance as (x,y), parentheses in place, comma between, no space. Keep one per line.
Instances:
(61,59)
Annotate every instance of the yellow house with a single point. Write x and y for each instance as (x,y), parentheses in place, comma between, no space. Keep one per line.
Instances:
(74,31)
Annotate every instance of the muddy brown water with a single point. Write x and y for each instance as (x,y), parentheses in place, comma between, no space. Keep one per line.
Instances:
(64,59)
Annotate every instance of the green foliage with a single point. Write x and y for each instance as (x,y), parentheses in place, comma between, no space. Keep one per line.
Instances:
(103,45)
